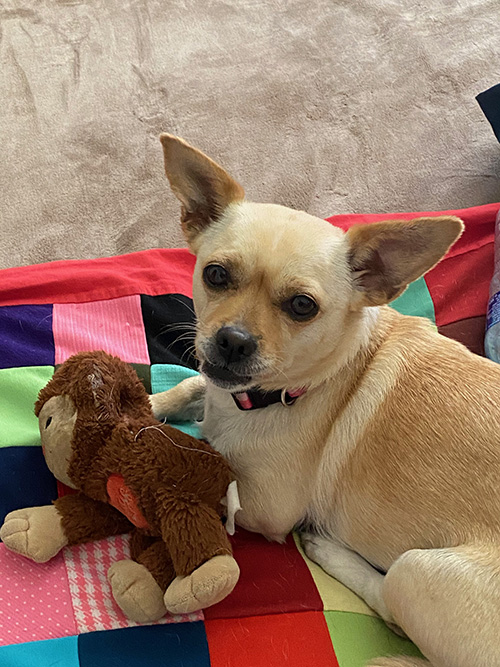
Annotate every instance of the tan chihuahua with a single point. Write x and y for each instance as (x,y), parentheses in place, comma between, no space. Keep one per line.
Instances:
(375,435)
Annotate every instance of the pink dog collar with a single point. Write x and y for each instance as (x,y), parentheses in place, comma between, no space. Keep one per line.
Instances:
(254,399)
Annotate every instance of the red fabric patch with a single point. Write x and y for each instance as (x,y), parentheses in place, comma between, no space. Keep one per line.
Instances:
(123,499)
(459,284)
(294,640)
(75,281)
(274,579)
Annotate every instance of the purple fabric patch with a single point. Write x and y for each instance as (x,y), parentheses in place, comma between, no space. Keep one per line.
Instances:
(26,337)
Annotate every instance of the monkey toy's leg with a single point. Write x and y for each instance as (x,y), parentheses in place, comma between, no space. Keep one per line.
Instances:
(201,554)
(139,584)
(151,552)
(40,533)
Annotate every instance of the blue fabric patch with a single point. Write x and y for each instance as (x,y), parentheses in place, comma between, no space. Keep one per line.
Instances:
(489,101)
(26,337)
(61,652)
(167,376)
(25,480)
(174,645)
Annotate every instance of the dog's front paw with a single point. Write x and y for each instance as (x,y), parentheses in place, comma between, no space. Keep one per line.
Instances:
(34,532)
(184,402)
(316,547)
(351,570)
(208,584)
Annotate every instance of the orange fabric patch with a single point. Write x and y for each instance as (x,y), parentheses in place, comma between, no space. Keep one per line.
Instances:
(122,498)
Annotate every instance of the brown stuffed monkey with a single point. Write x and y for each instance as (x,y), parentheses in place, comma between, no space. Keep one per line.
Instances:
(133,474)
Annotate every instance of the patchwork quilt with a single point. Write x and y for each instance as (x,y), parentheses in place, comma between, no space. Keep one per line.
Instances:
(285,610)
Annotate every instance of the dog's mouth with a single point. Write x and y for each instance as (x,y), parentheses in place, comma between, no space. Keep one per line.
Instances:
(224,377)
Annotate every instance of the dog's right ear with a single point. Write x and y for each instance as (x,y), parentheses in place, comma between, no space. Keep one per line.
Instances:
(203,187)
(386,256)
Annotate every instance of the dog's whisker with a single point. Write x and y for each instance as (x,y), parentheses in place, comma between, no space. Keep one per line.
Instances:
(183,303)
(190,351)
(285,376)
(188,335)
(181,326)
(180,339)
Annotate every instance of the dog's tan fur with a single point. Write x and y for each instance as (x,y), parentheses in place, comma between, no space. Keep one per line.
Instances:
(392,456)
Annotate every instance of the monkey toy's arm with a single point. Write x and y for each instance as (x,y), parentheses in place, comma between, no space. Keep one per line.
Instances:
(40,533)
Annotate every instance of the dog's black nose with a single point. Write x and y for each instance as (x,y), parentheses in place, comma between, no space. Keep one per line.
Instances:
(235,344)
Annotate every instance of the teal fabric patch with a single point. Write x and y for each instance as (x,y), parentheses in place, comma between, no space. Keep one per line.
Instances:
(416,300)
(167,376)
(61,652)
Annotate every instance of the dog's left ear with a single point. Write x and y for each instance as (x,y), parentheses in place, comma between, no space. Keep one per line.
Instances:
(385,257)
(203,187)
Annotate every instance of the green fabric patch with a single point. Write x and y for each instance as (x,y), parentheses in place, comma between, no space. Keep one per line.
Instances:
(61,652)
(357,639)
(416,300)
(167,376)
(19,389)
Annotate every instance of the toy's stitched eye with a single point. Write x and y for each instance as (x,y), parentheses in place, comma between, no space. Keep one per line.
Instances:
(301,307)
(216,275)
(48,422)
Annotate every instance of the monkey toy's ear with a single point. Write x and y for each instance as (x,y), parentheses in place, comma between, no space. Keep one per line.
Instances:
(129,393)
(105,387)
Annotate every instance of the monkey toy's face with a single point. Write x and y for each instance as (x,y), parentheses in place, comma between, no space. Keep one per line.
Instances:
(57,422)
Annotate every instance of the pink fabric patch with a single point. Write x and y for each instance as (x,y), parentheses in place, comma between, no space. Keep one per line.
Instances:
(113,325)
(93,603)
(35,602)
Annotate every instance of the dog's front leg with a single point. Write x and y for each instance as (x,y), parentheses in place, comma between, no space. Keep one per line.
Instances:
(350,569)
(185,402)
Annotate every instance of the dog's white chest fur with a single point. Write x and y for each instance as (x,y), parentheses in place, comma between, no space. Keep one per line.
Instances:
(276,473)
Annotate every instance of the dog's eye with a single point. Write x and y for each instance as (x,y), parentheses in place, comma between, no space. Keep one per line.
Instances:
(301,307)
(48,422)
(215,275)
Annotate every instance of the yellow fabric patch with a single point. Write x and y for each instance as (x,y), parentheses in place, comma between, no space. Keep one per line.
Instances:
(335,596)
